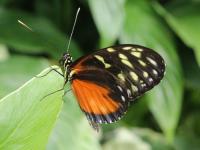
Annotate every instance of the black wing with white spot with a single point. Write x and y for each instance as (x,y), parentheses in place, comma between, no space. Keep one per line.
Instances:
(118,75)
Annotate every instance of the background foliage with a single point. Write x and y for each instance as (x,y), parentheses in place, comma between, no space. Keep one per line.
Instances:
(167,117)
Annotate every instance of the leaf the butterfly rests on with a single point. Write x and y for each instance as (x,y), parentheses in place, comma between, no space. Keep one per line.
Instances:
(107,81)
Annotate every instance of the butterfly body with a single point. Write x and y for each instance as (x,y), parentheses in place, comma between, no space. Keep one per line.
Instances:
(107,81)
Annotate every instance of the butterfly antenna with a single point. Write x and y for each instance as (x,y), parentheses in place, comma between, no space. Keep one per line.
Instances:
(73,29)
(25,25)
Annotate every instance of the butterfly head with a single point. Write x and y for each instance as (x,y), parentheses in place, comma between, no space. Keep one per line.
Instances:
(66,60)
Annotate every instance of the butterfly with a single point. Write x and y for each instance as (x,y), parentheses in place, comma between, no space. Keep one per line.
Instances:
(107,81)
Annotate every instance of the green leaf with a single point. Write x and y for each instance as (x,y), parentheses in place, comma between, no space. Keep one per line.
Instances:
(188,132)
(109,17)
(72,130)
(16,70)
(183,142)
(191,70)
(4,2)
(59,12)
(146,29)
(26,118)
(3,53)
(137,113)
(135,139)
(183,17)
(123,139)
(44,38)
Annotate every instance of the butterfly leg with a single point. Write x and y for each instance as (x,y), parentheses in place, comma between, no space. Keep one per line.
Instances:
(51,93)
(65,93)
(52,69)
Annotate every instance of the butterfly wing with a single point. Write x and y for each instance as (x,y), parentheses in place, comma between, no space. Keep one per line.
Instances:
(106,81)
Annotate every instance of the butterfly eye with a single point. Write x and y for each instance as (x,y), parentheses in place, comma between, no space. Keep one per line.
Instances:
(66,60)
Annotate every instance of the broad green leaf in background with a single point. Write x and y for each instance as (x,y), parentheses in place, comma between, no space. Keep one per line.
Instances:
(109,17)
(45,38)
(59,12)
(3,53)
(143,27)
(72,130)
(16,70)
(188,132)
(135,139)
(4,2)
(191,70)
(26,119)
(184,142)
(137,113)
(184,19)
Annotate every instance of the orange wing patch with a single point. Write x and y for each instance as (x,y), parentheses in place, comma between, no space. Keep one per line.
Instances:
(93,98)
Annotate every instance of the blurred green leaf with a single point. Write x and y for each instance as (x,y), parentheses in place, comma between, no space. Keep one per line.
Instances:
(3,53)
(186,143)
(184,19)
(59,12)
(16,70)
(26,119)
(4,2)
(194,97)
(156,140)
(109,17)
(142,26)
(190,126)
(191,70)
(72,130)
(135,139)
(44,38)
(188,132)
(137,113)
(124,139)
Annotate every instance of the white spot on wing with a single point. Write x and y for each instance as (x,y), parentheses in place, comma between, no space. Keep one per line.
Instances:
(110,49)
(126,62)
(121,76)
(134,88)
(123,98)
(127,48)
(141,81)
(133,49)
(101,59)
(153,62)
(107,65)
(145,74)
(150,80)
(143,85)
(120,88)
(139,49)
(142,63)
(155,72)
(136,54)
(134,76)
(128,92)
(122,56)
